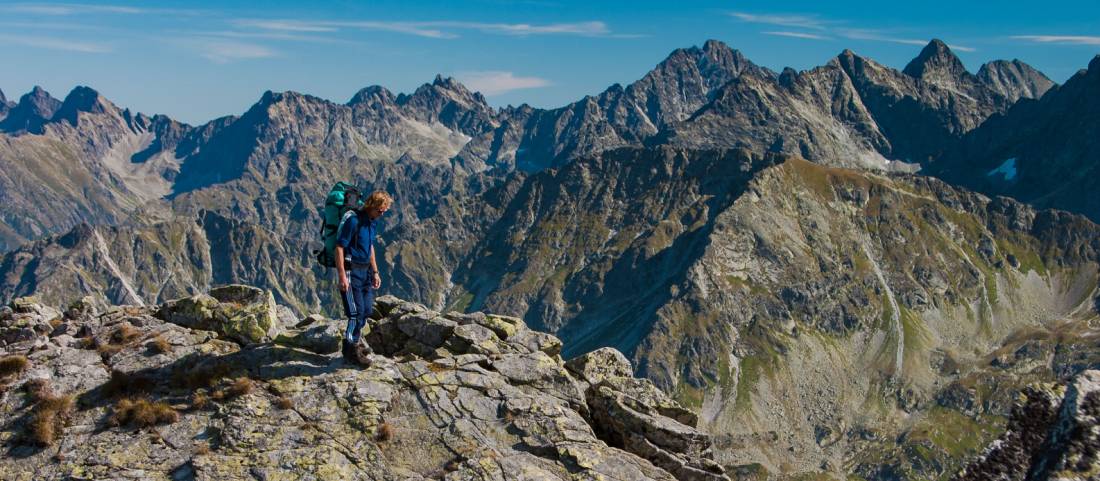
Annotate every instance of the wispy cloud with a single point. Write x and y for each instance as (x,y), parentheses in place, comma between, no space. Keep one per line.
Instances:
(285,25)
(880,36)
(224,51)
(1063,39)
(267,35)
(54,43)
(783,20)
(821,29)
(433,29)
(524,29)
(496,82)
(809,36)
(61,9)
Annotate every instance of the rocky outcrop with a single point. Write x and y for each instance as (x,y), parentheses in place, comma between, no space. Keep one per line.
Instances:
(1052,434)
(242,313)
(446,396)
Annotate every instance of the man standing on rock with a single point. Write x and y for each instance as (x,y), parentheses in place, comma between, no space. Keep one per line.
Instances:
(357,270)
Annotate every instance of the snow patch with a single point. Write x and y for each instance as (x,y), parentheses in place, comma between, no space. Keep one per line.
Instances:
(1006,169)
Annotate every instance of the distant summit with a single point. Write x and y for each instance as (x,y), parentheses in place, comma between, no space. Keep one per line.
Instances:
(34,109)
(936,59)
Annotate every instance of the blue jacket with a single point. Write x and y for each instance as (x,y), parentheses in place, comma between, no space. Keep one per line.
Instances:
(357,236)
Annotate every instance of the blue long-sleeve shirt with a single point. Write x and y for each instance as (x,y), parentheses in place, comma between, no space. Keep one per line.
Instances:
(357,236)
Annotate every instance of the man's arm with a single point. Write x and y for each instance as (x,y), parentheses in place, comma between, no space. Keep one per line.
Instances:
(377,281)
(340,271)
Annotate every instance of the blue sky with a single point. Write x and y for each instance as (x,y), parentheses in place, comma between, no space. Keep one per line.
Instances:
(195,61)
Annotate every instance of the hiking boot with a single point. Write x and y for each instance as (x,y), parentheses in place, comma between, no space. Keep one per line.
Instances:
(346,350)
(361,352)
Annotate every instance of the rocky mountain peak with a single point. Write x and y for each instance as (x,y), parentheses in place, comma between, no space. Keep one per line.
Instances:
(375,94)
(34,109)
(936,59)
(3,99)
(1014,79)
(83,99)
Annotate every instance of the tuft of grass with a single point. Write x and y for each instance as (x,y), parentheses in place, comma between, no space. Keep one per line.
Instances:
(199,401)
(159,345)
(142,413)
(124,334)
(283,402)
(49,415)
(202,377)
(36,387)
(202,448)
(385,432)
(239,387)
(13,365)
(55,322)
(125,384)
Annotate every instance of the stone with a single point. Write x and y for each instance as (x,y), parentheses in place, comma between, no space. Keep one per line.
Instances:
(426,327)
(322,338)
(25,305)
(597,365)
(535,341)
(242,313)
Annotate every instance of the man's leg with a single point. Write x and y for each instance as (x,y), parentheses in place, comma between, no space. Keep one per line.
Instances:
(351,310)
(349,313)
(366,310)
(358,288)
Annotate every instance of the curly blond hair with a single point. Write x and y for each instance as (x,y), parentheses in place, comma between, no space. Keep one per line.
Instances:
(379,199)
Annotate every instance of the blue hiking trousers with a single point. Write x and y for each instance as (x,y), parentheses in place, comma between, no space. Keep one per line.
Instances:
(358,302)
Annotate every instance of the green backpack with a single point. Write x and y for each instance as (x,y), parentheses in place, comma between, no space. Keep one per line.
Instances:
(341,203)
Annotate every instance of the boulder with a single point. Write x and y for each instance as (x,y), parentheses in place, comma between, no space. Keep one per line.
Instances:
(321,338)
(242,313)
(597,365)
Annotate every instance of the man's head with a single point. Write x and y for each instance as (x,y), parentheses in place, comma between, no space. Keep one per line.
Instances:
(377,204)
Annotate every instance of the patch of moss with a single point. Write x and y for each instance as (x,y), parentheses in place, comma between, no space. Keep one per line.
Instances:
(738,283)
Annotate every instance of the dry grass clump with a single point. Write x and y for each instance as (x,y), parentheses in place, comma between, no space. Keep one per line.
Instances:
(239,387)
(124,333)
(125,384)
(121,338)
(49,415)
(13,365)
(385,432)
(142,413)
(438,367)
(36,387)
(201,377)
(202,448)
(56,322)
(284,403)
(160,345)
(199,400)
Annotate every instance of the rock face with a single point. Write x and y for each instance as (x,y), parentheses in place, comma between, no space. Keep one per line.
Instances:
(242,313)
(1043,152)
(1051,434)
(489,399)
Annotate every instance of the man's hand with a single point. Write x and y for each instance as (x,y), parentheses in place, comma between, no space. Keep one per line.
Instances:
(344,283)
(377,281)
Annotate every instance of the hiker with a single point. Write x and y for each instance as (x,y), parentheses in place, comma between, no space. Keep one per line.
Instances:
(356,268)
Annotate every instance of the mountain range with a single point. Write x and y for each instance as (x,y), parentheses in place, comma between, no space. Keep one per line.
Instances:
(756,242)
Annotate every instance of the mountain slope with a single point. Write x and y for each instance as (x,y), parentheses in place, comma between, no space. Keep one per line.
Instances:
(1043,152)
(81,160)
(751,290)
